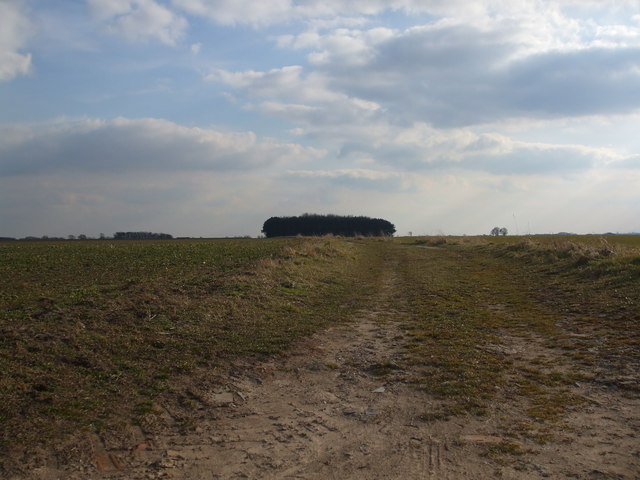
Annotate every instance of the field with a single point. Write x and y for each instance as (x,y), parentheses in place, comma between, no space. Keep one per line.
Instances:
(89,325)
(507,349)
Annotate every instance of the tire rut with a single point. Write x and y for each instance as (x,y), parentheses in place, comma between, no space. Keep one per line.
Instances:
(337,405)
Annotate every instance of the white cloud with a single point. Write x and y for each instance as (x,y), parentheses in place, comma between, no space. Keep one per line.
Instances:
(354,178)
(232,12)
(544,21)
(93,175)
(266,84)
(347,46)
(357,173)
(106,9)
(451,73)
(15,30)
(421,148)
(129,145)
(262,14)
(323,13)
(386,131)
(451,119)
(139,20)
(298,97)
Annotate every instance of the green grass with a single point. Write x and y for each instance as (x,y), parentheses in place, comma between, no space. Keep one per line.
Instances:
(451,294)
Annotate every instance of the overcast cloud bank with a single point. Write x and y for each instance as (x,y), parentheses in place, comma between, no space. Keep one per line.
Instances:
(206,116)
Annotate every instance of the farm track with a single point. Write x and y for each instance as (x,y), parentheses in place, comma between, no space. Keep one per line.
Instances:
(343,404)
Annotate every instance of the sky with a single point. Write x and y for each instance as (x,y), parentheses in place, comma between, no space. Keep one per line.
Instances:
(206,117)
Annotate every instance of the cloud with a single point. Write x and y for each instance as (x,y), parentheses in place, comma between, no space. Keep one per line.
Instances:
(353,178)
(180,203)
(360,129)
(438,114)
(584,82)
(629,163)
(424,148)
(15,30)
(541,24)
(372,113)
(457,75)
(107,9)
(139,20)
(260,14)
(495,64)
(296,96)
(350,47)
(93,175)
(532,159)
(135,145)
(233,12)
(271,83)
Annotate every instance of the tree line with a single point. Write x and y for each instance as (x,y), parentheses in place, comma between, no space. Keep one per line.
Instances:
(313,224)
(116,236)
(141,236)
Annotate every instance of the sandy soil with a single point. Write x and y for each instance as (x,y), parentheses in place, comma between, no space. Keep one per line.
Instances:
(324,411)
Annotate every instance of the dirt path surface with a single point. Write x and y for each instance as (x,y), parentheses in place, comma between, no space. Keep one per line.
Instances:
(341,405)
(320,414)
(336,406)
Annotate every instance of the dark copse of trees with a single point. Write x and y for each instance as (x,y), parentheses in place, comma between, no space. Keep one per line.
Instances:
(141,236)
(310,224)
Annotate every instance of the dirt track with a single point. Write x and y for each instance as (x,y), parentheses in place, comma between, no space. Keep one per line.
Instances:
(340,405)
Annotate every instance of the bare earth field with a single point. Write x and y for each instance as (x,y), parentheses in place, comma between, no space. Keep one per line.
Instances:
(448,360)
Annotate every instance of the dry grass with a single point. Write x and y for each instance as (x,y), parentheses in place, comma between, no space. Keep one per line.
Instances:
(576,297)
(99,334)
(93,334)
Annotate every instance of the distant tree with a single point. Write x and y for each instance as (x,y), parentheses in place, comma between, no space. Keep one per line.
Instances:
(495,231)
(71,237)
(141,236)
(312,224)
(503,231)
(82,236)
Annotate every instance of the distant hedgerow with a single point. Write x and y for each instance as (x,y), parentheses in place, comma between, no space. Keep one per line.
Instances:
(141,236)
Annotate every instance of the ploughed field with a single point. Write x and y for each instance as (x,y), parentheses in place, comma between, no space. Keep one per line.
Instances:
(450,357)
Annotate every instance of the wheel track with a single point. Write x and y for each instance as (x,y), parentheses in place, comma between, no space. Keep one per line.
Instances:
(318,412)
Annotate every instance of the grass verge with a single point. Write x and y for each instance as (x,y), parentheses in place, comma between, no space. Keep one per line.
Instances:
(516,315)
